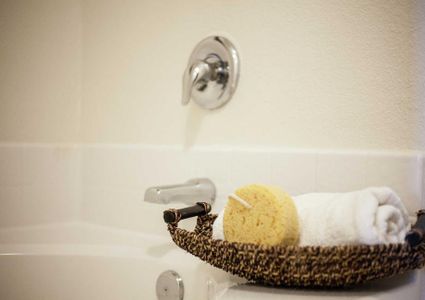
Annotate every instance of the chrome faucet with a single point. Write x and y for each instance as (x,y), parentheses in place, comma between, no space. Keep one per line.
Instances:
(194,190)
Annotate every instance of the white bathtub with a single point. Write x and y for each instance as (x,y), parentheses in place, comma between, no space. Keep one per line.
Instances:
(85,261)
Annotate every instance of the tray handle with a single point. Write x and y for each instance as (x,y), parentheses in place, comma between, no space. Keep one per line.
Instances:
(173,216)
(416,235)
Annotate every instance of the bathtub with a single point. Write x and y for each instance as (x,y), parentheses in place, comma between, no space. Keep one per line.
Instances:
(87,261)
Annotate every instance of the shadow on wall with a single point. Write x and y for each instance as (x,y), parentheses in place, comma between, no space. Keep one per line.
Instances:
(195,116)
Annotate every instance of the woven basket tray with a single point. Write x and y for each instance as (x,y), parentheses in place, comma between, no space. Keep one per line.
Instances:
(309,266)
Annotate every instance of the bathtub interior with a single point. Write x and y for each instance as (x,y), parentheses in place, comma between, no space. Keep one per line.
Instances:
(87,261)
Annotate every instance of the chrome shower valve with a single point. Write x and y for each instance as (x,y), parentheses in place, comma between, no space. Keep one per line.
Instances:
(212,73)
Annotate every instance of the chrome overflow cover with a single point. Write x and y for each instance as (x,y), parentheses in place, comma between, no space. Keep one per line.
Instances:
(169,286)
(212,74)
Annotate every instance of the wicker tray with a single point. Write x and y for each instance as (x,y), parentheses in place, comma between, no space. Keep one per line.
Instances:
(315,266)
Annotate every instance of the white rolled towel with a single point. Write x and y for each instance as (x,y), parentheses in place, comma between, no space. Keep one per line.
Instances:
(371,216)
(374,215)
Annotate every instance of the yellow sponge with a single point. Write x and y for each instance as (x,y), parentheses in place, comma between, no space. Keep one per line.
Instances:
(271,220)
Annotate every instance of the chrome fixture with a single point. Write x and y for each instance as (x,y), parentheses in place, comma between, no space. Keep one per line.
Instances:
(194,190)
(169,286)
(211,76)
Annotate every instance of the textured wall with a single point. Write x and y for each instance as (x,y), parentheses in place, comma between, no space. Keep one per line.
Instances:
(419,57)
(40,70)
(315,74)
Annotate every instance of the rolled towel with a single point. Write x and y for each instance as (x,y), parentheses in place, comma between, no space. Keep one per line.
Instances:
(371,216)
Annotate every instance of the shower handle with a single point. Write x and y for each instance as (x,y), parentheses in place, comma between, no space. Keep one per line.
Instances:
(195,75)
(212,73)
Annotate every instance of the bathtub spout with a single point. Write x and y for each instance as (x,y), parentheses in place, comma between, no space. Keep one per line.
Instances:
(194,190)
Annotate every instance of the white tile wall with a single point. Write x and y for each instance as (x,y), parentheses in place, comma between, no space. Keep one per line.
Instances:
(403,173)
(294,171)
(115,177)
(341,172)
(105,184)
(39,184)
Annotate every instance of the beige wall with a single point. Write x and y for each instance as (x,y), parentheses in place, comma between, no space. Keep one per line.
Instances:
(314,74)
(40,70)
(419,57)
